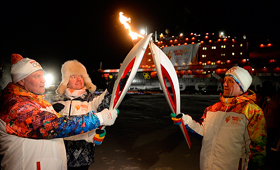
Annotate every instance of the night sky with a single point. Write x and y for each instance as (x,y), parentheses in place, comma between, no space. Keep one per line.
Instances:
(54,31)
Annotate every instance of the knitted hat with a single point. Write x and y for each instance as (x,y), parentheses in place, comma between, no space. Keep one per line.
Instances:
(74,67)
(241,76)
(22,67)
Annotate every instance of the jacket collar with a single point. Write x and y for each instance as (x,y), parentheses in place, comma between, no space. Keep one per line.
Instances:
(72,94)
(13,90)
(247,96)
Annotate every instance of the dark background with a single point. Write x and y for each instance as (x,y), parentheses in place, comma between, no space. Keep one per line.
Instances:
(54,31)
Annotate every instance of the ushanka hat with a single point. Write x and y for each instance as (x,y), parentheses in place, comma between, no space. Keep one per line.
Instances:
(74,67)
(22,67)
(241,76)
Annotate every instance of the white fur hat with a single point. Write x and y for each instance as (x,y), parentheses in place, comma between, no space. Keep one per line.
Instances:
(23,67)
(74,67)
(241,76)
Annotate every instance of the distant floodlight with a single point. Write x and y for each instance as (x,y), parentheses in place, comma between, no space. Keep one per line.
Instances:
(49,80)
(222,34)
(143,32)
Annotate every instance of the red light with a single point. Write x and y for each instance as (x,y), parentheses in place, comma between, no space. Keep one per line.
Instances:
(261,45)
(225,39)
(202,42)
(219,61)
(264,69)
(219,40)
(206,37)
(277,69)
(228,61)
(272,61)
(218,71)
(189,72)
(210,41)
(244,61)
(154,74)
(269,45)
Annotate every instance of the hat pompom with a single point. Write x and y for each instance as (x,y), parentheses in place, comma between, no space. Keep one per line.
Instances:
(15,58)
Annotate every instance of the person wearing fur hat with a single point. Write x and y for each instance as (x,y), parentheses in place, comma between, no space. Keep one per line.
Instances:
(233,129)
(76,97)
(31,132)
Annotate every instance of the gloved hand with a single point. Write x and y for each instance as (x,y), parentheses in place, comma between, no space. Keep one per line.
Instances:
(181,117)
(176,119)
(107,117)
(58,107)
(99,136)
(112,82)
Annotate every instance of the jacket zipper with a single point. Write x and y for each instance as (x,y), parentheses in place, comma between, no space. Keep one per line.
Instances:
(214,140)
(227,104)
(70,108)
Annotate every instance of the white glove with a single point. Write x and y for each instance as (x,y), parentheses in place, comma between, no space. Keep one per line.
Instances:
(107,117)
(186,119)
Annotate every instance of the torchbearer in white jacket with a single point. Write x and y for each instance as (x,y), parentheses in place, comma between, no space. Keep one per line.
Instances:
(233,130)
(31,132)
(76,97)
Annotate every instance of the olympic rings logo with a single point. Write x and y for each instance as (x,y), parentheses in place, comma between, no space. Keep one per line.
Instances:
(36,65)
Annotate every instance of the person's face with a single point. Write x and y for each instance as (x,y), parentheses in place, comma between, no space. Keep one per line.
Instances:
(76,82)
(34,83)
(231,88)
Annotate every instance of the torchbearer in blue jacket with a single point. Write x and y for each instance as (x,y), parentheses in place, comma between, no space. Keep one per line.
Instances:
(31,131)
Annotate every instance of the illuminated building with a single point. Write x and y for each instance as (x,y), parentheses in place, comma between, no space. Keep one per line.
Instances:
(198,58)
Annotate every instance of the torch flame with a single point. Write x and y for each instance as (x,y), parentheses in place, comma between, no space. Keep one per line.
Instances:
(124,20)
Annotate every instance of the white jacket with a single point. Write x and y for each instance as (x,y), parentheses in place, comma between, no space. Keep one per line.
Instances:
(47,154)
(31,154)
(76,107)
(234,134)
(24,116)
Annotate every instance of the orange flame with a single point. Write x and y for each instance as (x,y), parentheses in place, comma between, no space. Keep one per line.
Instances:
(124,20)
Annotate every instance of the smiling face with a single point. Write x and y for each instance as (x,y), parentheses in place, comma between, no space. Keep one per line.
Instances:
(34,83)
(76,82)
(231,88)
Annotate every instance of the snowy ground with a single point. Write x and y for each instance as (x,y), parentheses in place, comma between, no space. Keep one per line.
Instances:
(145,138)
